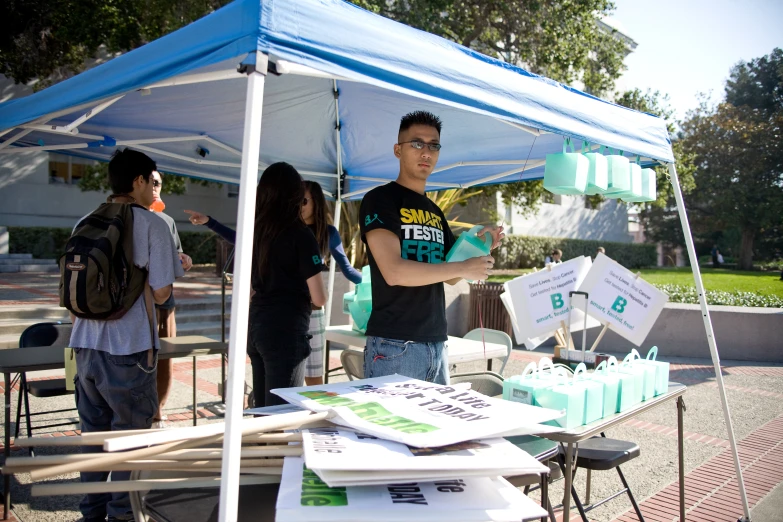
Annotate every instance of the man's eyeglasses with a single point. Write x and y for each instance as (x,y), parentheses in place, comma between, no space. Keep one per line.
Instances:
(156,183)
(418,145)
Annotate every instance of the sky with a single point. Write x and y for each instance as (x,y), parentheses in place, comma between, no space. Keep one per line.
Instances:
(689,46)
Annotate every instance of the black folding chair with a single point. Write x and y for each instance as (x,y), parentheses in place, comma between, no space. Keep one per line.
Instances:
(42,334)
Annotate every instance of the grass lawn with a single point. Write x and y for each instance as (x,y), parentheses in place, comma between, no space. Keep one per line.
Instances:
(716,279)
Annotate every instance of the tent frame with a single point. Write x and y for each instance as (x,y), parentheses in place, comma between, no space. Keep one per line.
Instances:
(249,168)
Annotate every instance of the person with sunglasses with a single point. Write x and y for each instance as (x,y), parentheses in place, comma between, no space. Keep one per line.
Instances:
(408,238)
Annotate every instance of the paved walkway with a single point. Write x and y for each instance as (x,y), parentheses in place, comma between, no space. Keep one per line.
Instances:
(754,391)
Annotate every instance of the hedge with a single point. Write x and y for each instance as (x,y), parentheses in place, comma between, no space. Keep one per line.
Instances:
(528,252)
(49,243)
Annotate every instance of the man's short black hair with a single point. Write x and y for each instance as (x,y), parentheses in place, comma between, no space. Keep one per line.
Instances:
(127,165)
(420,118)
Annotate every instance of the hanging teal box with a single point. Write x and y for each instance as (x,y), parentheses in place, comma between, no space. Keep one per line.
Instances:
(649,188)
(566,173)
(564,396)
(643,375)
(661,369)
(611,384)
(635,183)
(597,172)
(523,388)
(469,245)
(594,394)
(619,174)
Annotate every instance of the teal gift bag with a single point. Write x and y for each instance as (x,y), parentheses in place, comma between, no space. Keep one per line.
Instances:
(597,172)
(348,298)
(661,369)
(359,302)
(566,397)
(649,188)
(611,384)
(619,175)
(594,394)
(523,388)
(566,173)
(627,395)
(469,245)
(644,375)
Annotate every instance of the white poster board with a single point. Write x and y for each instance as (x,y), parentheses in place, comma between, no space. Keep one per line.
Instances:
(420,413)
(629,305)
(303,497)
(540,300)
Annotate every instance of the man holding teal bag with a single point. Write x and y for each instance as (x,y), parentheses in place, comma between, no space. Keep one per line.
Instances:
(408,238)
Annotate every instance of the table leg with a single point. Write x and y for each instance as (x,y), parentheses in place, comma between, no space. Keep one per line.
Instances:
(223,378)
(195,417)
(545,494)
(7,448)
(326,362)
(568,476)
(681,456)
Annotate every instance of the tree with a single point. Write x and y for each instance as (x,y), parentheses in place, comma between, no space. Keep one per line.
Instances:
(558,39)
(52,39)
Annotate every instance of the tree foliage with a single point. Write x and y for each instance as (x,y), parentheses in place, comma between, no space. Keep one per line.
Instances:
(52,39)
(96,177)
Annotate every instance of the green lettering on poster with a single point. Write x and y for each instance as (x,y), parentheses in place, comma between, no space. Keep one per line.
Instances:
(557,301)
(619,305)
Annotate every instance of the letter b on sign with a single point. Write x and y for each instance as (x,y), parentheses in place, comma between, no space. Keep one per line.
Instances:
(619,305)
(557,301)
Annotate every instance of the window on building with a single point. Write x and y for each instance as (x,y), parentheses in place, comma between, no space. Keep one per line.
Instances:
(67,170)
(232,191)
(58,172)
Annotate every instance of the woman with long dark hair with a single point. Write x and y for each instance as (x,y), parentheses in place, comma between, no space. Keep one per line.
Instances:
(316,217)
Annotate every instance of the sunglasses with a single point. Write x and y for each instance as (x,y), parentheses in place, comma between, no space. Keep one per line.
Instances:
(418,145)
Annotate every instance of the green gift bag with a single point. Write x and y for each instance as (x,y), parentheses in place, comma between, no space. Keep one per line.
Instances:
(627,396)
(523,388)
(566,173)
(649,188)
(359,302)
(644,375)
(619,170)
(661,369)
(597,172)
(594,394)
(566,397)
(611,384)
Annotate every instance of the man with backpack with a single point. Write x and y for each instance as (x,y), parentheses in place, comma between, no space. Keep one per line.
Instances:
(119,262)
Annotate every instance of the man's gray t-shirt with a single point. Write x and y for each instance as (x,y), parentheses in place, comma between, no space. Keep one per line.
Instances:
(153,249)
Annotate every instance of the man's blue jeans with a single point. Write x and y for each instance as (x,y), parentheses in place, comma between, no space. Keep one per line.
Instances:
(423,361)
(113,393)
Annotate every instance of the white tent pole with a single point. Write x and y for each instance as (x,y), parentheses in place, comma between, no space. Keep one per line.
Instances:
(338,204)
(240,302)
(705,312)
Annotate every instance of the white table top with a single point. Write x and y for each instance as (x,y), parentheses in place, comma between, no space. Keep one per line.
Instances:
(459,350)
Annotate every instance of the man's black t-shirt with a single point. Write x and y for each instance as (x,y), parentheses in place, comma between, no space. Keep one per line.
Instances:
(282,298)
(402,312)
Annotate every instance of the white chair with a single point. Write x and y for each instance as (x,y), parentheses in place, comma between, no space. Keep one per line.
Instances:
(353,363)
(494,337)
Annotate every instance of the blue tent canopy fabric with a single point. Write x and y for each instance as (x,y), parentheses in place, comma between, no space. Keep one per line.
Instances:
(381,69)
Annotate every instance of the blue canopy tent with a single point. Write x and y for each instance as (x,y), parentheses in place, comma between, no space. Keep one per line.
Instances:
(321,84)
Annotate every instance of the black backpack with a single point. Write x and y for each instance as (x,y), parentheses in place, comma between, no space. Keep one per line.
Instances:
(98,279)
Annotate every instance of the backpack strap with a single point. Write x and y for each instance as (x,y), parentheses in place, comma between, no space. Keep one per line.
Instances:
(148,302)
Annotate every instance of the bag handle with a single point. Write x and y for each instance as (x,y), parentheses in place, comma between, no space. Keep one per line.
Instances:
(653,352)
(585,147)
(635,354)
(612,363)
(568,143)
(580,374)
(560,376)
(628,360)
(546,361)
(601,368)
(529,370)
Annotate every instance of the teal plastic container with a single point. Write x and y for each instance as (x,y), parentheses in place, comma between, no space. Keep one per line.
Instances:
(644,375)
(619,173)
(359,302)
(594,394)
(661,369)
(649,188)
(611,384)
(469,245)
(566,173)
(627,396)
(524,388)
(597,173)
(565,396)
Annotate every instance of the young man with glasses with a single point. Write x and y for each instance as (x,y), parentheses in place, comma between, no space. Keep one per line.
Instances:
(408,237)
